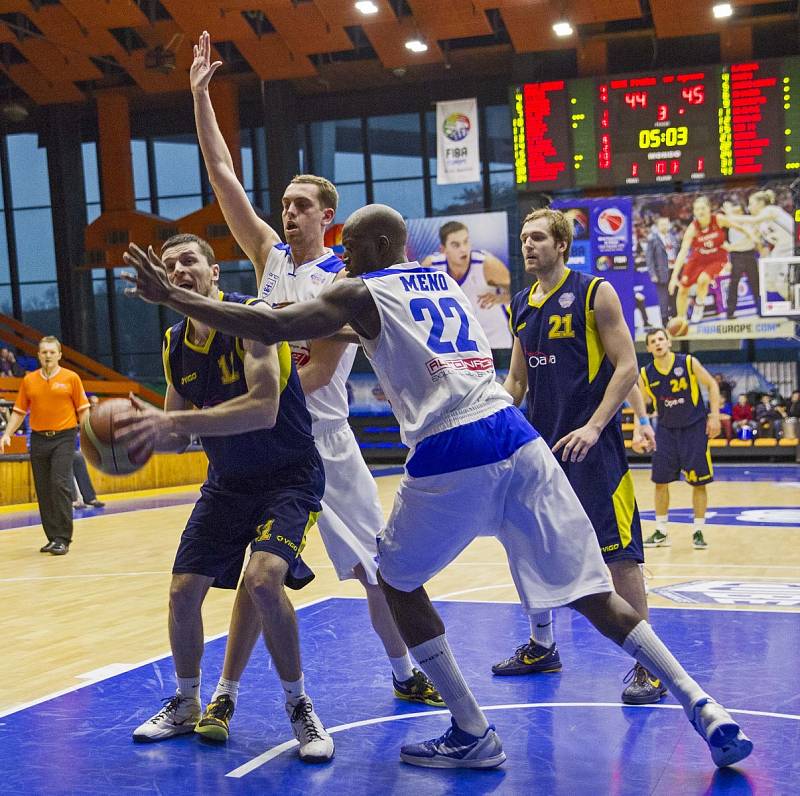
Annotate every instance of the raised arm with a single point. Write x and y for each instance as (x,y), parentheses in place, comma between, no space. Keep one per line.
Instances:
(348,301)
(252,233)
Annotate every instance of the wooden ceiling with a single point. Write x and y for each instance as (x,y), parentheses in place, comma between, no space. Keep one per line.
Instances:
(55,51)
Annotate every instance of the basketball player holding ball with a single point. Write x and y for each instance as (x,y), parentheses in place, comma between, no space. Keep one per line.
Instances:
(265,481)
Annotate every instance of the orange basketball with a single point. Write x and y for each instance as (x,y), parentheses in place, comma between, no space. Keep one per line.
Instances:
(677,326)
(98,442)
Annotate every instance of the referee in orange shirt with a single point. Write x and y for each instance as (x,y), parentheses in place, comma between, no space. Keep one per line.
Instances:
(57,403)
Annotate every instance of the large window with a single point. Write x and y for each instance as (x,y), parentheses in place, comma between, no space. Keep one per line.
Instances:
(33,246)
(337,150)
(392,160)
(169,180)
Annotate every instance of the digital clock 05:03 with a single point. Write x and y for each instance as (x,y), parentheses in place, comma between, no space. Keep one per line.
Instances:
(667,136)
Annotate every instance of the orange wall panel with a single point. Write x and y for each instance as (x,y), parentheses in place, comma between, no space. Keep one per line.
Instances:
(114,150)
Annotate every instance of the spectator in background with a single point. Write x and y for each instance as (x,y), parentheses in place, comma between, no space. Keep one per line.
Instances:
(794,405)
(56,400)
(769,417)
(8,363)
(725,388)
(742,414)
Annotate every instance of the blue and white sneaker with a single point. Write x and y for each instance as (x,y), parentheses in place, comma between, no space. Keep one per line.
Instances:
(725,739)
(456,749)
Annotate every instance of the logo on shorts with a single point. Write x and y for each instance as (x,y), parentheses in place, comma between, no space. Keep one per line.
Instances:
(265,531)
(566,300)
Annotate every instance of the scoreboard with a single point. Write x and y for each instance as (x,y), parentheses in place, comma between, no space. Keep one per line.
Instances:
(708,123)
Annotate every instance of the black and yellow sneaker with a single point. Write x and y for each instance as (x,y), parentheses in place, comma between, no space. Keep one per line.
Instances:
(643,687)
(214,725)
(529,659)
(418,688)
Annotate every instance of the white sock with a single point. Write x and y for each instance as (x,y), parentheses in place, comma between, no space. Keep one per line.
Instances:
(189,687)
(402,668)
(229,687)
(542,628)
(436,659)
(644,645)
(295,690)
(661,524)
(700,523)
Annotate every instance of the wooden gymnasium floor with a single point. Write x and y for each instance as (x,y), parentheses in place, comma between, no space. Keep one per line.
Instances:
(91,622)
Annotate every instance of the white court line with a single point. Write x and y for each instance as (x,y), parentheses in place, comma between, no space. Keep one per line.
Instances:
(472,591)
(278,750)
(34,578)
(129,667)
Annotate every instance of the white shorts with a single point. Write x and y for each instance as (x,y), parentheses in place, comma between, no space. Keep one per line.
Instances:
(525,501)
(351,515)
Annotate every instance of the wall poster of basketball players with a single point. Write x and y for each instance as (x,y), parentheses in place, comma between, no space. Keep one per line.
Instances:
(695,262)
(700,258)
(473,249)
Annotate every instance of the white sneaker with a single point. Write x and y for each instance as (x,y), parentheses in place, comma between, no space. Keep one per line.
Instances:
(316,746)
(178,717)
(725,739)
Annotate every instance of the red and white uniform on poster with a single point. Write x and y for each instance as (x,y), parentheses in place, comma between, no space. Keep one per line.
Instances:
(707,253)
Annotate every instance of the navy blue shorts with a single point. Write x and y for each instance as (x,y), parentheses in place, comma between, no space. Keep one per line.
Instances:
(682,450)
(604,486)
(274,519)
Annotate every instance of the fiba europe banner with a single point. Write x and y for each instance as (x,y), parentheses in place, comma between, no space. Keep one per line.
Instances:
(457,153)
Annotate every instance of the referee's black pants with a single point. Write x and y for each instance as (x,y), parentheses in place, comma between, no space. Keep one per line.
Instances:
(51,462)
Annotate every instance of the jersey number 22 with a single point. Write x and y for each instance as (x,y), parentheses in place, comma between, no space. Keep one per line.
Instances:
(437,311)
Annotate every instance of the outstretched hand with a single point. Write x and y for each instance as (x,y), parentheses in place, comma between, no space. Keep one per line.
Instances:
(202,70)
(150,281)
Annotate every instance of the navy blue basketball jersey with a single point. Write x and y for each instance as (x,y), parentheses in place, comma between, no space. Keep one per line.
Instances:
(568,371)
(211,373)
(675,393)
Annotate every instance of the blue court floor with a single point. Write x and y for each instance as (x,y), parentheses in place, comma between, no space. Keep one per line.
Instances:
(563,733)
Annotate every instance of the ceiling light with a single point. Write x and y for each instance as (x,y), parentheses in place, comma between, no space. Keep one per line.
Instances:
(723,10)
(416,46)
(563,29)
(366,7)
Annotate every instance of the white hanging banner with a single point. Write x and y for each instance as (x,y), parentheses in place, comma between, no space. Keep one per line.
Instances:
(457,153)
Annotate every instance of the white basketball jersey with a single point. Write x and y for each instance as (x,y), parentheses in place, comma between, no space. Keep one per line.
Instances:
(284,282)
(431,356)
(779,233)
(493,320)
